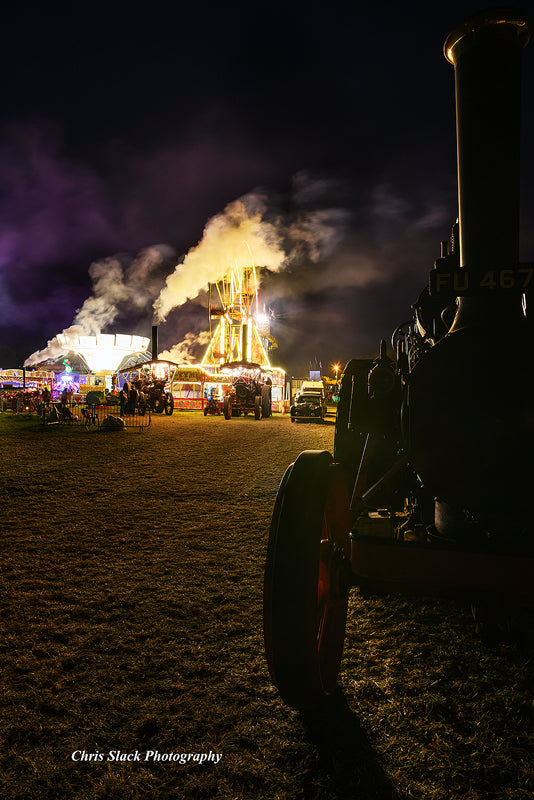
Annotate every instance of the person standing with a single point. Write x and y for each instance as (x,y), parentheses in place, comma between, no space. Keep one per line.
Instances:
(123,397)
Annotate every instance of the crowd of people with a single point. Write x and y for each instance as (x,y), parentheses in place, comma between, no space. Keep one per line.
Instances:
(132,398)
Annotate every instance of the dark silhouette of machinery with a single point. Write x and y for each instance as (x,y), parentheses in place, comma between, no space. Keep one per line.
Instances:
(430,481)
(214,406)
(157,399)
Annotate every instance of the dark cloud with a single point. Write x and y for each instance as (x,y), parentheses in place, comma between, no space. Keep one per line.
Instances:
(55,215)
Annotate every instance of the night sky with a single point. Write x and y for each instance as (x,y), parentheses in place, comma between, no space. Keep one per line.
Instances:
(125,129)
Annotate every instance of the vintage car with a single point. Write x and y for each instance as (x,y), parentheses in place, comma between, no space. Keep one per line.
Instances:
(309,404)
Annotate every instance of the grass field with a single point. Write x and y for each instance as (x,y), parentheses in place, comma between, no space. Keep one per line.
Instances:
(131,607)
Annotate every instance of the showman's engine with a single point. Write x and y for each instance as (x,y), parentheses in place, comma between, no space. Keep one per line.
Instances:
(430,484)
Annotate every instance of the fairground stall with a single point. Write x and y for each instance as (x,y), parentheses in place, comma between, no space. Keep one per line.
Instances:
(189,388)
(193,386)
(26,379)
(20,389)
(219,380)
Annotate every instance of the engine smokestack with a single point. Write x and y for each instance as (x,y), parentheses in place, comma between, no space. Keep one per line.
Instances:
(154,342)
(486,53)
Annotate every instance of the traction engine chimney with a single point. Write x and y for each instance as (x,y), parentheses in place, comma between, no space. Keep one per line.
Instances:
(154,342)
(486,53)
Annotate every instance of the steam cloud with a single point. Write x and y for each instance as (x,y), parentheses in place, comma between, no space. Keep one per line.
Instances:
(184,352)
(114,286)
(238,236)
(251,230)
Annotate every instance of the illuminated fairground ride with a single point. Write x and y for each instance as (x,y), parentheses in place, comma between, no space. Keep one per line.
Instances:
(104,352)
(239,332)
(240,339)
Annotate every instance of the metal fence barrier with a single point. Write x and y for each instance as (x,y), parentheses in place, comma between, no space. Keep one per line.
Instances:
(97,416)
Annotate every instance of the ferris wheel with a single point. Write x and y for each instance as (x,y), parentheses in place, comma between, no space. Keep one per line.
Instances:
(235,318)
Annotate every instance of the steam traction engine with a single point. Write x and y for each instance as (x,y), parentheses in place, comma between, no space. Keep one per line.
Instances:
(430,482)
(250,393)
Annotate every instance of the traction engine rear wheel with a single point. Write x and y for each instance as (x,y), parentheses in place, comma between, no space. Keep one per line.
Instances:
(169,405)
(307,579)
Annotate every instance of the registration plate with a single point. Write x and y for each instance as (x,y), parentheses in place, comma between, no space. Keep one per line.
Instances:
(463,281)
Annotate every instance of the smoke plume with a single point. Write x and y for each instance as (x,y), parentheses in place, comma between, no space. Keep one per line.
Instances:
(120,285)
(238,236)
(54,349)
(184,352)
